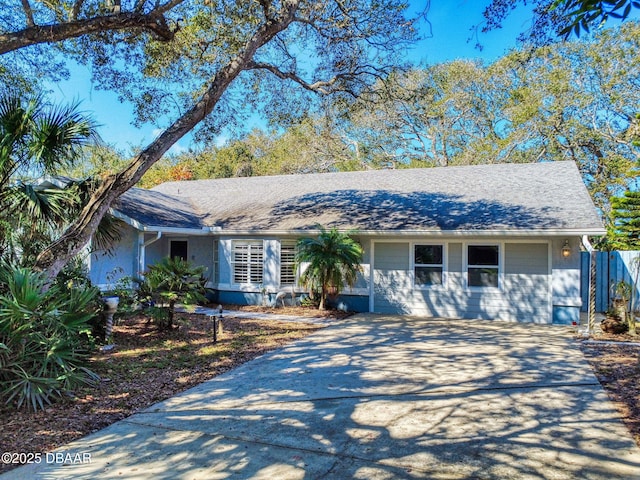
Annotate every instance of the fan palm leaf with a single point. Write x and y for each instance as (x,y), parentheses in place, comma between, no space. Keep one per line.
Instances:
(36,138)
(329,261)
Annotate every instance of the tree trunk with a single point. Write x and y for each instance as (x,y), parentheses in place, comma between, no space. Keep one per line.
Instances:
(58,254)
(323,298)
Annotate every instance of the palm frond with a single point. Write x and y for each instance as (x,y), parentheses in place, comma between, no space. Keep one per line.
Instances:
(35,204)
(332,259)
(108,233)
(59,135)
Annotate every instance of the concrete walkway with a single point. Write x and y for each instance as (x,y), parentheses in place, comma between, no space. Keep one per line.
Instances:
(375,397)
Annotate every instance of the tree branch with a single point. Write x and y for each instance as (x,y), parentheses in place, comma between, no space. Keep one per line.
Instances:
(139,6)
(161,9)
(323,87)
(36,34)
(266,7)
(77,6)
(28,13)
(56,255)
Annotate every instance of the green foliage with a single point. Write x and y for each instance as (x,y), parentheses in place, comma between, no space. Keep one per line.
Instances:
(574,101)
(75,275)
(328,262)
(97,160)
(583,14)
(127,294)
(36,138)
(554,19)
(626,221)
(171,281)
(43,338)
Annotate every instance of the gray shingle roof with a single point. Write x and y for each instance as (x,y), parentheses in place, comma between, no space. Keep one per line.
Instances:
(540,196)
(150,207)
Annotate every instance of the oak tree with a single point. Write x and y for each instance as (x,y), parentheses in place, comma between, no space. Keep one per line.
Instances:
(197,61)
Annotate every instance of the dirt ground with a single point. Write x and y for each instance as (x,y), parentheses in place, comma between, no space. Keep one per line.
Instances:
(145,367)
(148,366)
(616,363)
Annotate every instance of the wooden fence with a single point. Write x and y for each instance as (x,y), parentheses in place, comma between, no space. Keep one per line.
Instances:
(612,267)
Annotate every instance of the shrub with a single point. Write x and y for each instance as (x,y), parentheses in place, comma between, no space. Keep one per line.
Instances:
(43,334)
(168,282)
(123,288)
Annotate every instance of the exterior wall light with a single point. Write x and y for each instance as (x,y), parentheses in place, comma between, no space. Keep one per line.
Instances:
(566,249)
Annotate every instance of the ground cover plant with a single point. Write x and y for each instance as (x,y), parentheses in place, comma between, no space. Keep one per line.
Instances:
(44,338)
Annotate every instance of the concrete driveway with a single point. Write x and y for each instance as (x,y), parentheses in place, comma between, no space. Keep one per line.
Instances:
(377,397)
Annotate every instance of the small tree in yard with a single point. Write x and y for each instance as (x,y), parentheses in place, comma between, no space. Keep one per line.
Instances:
(626,215)
(333,260)
(168,282)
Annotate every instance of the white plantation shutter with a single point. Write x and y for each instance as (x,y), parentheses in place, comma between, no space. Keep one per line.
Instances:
(287,263)
(248,261)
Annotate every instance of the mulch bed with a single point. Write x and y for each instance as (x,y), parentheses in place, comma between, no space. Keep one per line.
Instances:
(308,312)
(617,367)
(146,366)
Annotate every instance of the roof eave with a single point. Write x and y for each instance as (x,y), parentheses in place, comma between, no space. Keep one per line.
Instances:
(549,232)
(560,232)
(157,228)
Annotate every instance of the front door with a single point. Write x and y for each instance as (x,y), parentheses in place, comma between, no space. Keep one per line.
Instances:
(178,248)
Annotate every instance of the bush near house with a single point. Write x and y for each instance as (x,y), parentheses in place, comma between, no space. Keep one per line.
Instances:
(171,281)
(44,337)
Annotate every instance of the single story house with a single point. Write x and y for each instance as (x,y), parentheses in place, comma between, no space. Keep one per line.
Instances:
(496,241)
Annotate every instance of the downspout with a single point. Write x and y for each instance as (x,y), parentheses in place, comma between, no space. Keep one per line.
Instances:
(142,246)
(592,283)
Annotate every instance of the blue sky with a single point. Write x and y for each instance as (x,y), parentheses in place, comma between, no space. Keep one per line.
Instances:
(450,26)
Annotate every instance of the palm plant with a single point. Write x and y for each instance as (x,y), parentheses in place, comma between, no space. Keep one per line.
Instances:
(328,262)
(168,282)
(36,139)
(43,332)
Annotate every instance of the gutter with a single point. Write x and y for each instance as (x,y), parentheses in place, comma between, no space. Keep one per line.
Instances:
(587,244)
(142,249)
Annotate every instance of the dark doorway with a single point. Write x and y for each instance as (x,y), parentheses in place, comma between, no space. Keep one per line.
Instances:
(178,248)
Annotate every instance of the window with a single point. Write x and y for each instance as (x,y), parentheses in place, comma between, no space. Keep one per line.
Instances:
(482,265)
(428,266)
(178,248)
(287,263)
(247,261)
